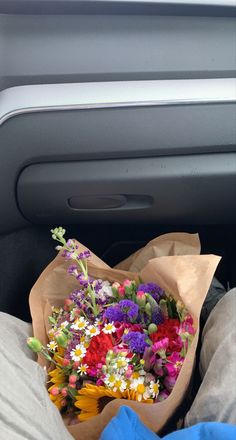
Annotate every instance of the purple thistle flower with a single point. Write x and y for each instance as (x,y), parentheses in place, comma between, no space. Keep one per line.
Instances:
(124,311)
(136,341)
(153,289)
(114,314)
(129,308)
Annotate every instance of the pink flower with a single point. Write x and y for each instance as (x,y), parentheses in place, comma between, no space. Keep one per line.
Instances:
(127,283)
(174,364)
(141,298)
(121,291)
(188,319)
(160,346)
(140,294)
(186,327)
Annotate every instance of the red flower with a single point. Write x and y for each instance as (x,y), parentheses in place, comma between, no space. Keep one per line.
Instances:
(168,330)
(97,350)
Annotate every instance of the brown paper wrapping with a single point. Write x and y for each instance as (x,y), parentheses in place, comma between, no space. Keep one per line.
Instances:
(174,263)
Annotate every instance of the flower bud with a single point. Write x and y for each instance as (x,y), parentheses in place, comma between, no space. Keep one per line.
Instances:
(64,392)
(115,285)
(148,309)
(127,283)
(152,328)
(121,291)
(72,378)
(141,298)
(34,344)
(61,339)
(55,391)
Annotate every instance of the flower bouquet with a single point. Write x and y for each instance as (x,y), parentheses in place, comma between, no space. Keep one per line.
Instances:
(112,337)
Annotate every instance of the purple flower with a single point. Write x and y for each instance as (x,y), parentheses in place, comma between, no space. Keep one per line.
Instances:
(124,311)
(84,282)
(71,253)
(84,255)
(157,316)
(153,289)
(136,341)
(73,270)
(77,296)
(129,308)
(97,285)
(114,314)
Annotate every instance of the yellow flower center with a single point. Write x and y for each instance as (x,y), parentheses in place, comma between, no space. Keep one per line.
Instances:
(80,324)
(121,363)
(83,369)
(178,364)
(78,352)
(112,378)
(155,388)
(109,327)
(140,388)
(135,375)
(93,330)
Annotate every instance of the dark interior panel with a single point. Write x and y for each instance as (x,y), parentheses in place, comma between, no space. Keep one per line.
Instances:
(177,190)
(73,48)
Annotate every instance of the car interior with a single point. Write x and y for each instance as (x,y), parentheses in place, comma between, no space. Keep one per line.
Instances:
(118,122)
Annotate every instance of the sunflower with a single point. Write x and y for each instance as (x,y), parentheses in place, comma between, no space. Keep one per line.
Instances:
(57,376)
(92,399)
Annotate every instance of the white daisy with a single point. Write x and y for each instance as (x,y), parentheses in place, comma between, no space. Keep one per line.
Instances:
(120,385)
(109,328)
(82,369)
(154,388)
(78,353)
(142,391)
(80,324)
(111,379)
(92,330)
(52,345)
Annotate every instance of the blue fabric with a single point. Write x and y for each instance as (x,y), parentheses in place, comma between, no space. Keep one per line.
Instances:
(127,426)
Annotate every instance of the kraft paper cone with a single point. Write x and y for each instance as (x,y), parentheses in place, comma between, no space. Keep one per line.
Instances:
(185,277)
